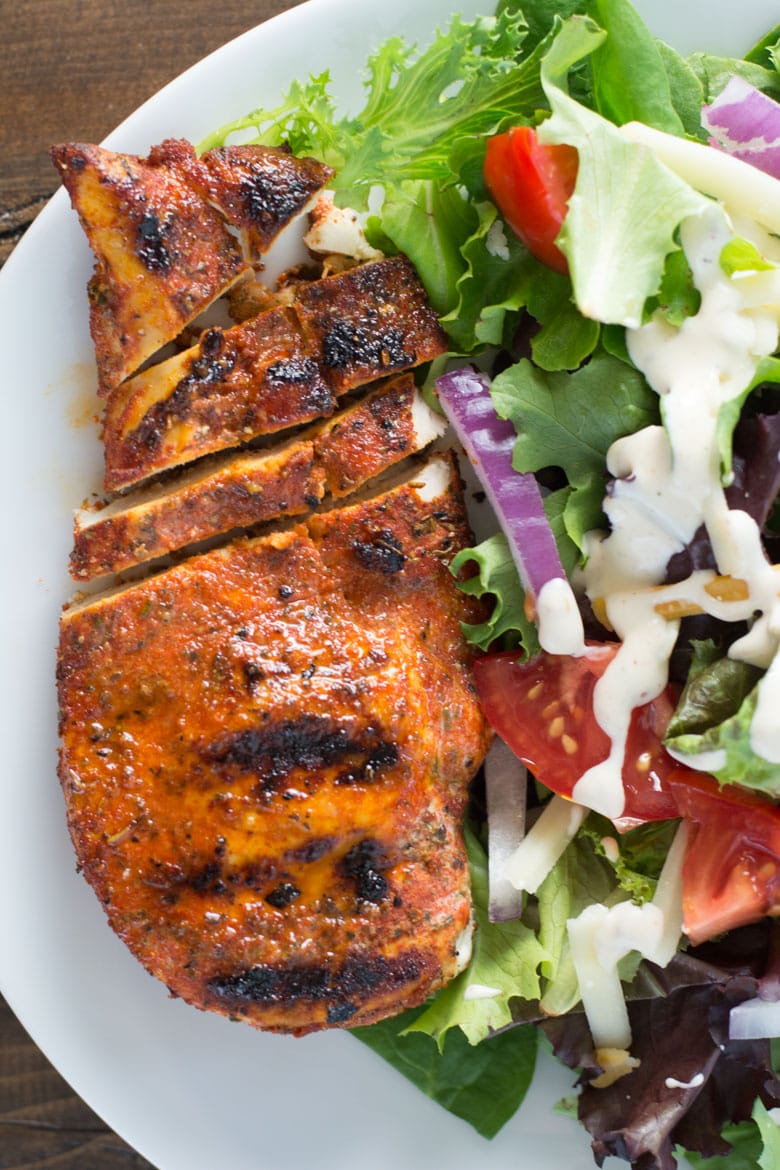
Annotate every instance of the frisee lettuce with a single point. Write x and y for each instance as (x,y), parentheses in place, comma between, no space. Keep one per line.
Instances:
(473,80)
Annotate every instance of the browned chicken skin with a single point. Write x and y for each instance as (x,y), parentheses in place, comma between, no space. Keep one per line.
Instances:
(265,755)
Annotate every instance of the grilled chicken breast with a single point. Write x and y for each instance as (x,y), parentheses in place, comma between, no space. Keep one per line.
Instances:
(163,250)
(265,752)
(248,488)
(282,368)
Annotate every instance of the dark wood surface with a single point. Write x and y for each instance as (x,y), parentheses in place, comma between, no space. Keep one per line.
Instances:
(74,69)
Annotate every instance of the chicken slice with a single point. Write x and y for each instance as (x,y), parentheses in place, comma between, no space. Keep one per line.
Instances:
(369,321)
(163,252)
(233,385)
(159,229)
(265,754)
(285,367)
(252,487)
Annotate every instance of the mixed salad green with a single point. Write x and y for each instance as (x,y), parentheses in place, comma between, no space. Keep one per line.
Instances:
(657,183)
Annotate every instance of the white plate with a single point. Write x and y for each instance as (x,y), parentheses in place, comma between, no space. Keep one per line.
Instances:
(188,1090)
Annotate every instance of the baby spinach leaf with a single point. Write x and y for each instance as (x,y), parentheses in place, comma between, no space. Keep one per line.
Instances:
(483,1084)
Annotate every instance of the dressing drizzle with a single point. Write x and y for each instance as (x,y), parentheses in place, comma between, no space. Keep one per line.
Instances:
(668,482)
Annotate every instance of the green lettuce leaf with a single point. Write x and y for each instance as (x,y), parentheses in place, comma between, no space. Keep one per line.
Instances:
(565,338)
(746,1147)
(766,49)
(428,223)
(714,692)
(542,15)
(506,959)
(494,284)
(483,1085)
(714,74)
(732,737)
(714,714)
(582,877)
(500,279)
(474,79)
(678,296)
(767,371)
(626,206)
(569,421)
(579,879)
(497,577)
(685,89)
(630,79)
(740,255)
(636,857)
(769,1158)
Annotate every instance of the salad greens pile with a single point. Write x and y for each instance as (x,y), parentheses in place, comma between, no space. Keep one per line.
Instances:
(412,162)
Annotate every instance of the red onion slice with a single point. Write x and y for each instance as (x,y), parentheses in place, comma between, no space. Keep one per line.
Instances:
(517,502)
(745,122)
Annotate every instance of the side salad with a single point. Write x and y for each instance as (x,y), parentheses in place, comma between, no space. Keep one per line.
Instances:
(596,220)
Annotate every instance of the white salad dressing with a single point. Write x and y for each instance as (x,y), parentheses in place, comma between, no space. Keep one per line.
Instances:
(694,1083)
(669,483)
(558,618)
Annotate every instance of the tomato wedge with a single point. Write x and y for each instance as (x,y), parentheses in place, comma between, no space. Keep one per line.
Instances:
(543,709)
(731,873)
(530,183)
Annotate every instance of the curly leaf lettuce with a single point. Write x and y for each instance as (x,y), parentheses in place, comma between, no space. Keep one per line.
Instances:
(472,80)
(569,421)
(495,576)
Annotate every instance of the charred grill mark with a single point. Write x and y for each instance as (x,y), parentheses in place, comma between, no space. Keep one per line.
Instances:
(363,865)
(213,365)
(384,755)
(311,851)
(282,895)
(303,372)
(341,991)
(309,743)
(383,554)
(209,880)
(253,675)
(267,201)
(152,249)
(220,879)
(296,370)
(348,343)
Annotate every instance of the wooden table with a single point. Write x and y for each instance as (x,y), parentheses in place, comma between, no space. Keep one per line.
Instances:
(73,71)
